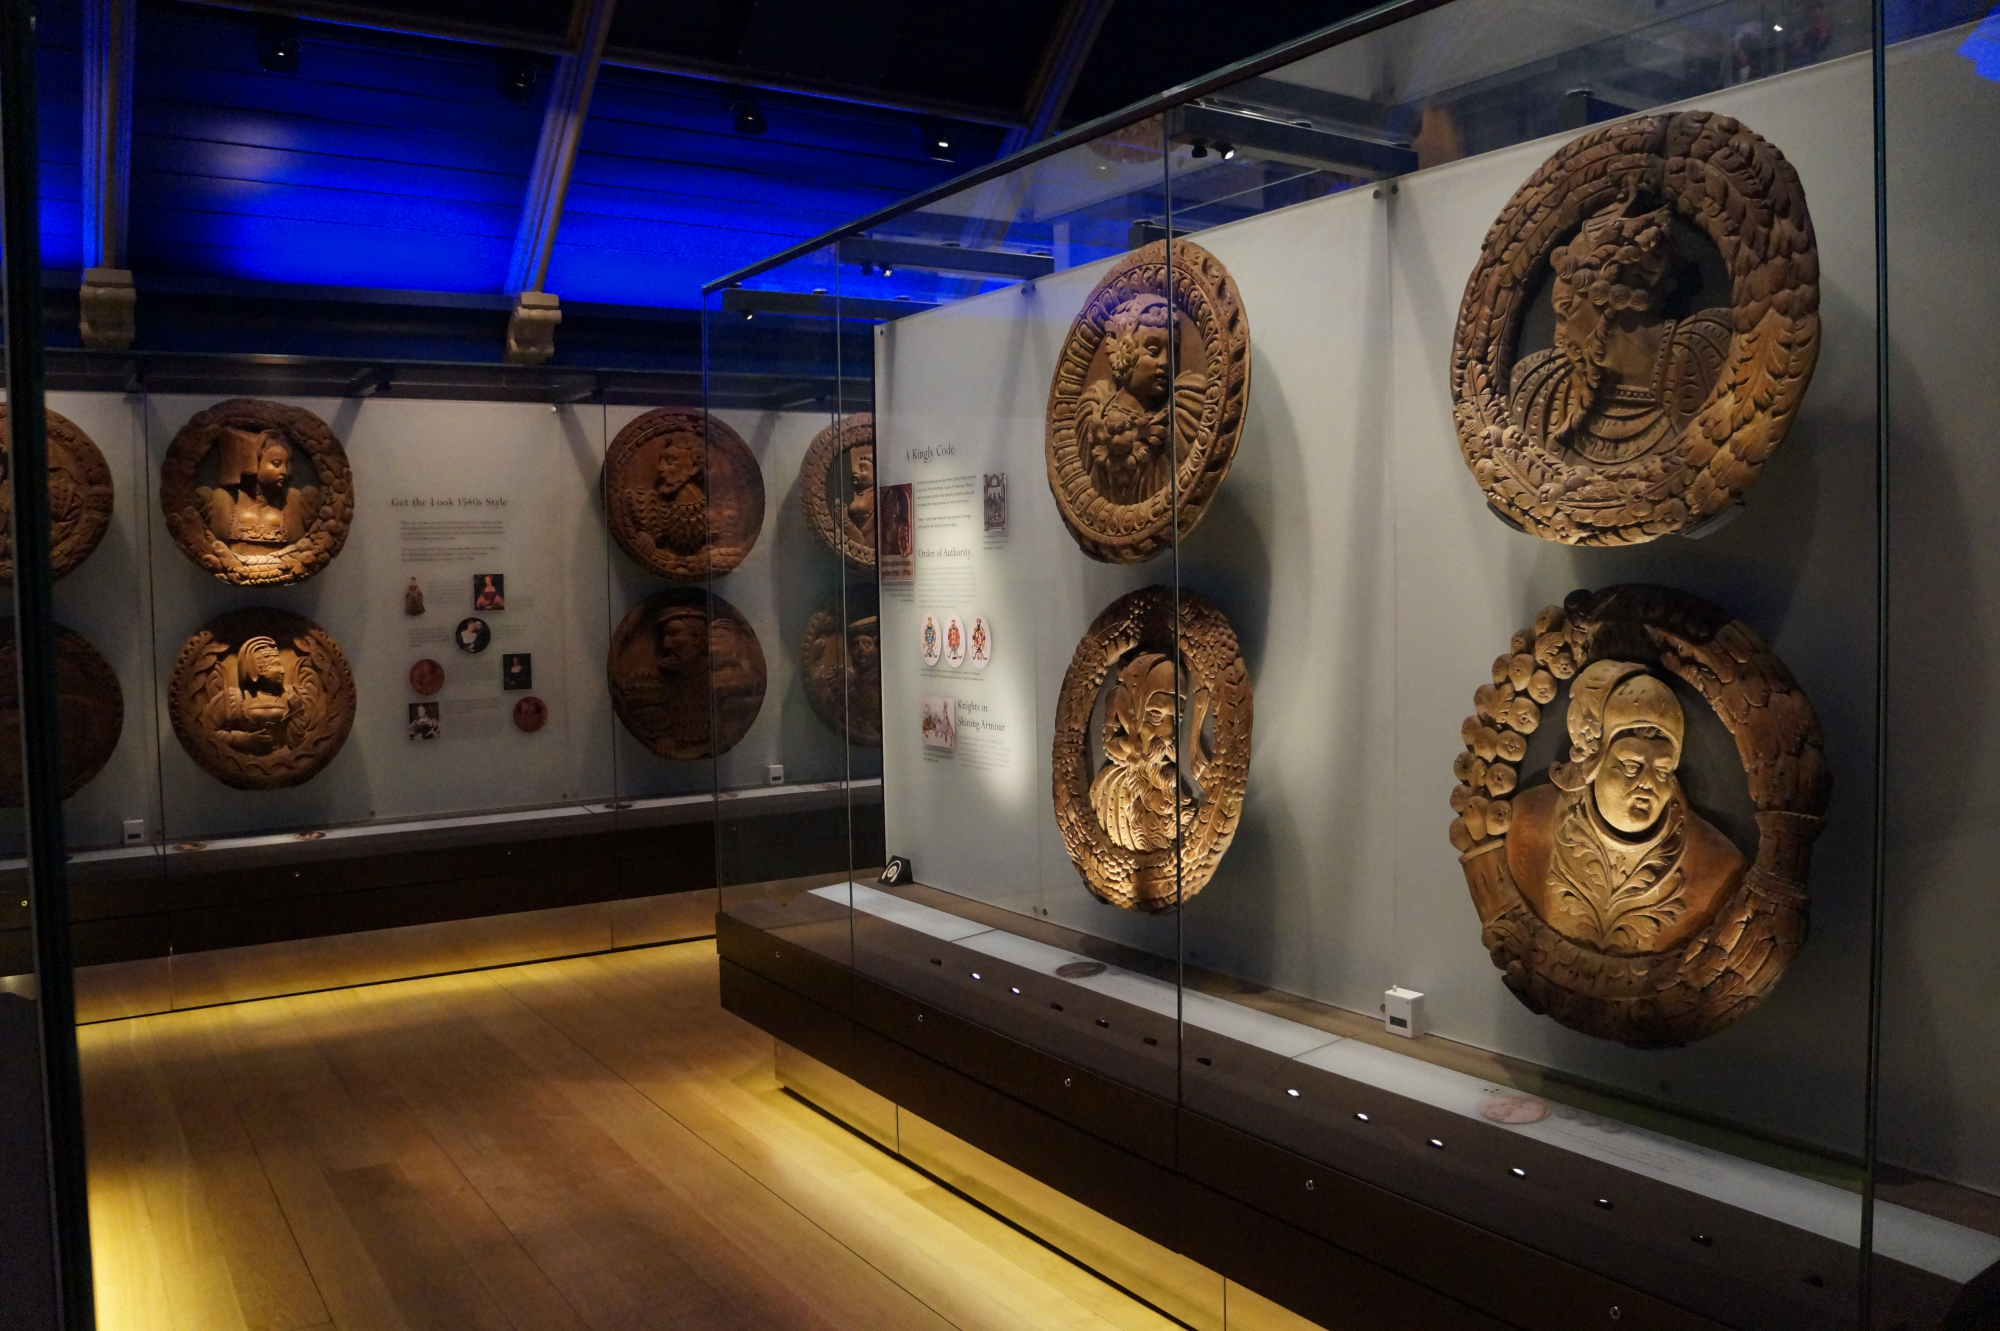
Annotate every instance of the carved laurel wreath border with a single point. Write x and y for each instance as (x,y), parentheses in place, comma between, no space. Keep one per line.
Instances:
(1666,998)
(714,607)
(822,518)
(326,528)
(80,669)
(1739,190)
(1206,643)
(1207,295)
(835,711)
(722,551)
(321,671)
(67,550)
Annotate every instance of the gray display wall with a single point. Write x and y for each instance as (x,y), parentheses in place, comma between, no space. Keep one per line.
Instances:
(1372,589)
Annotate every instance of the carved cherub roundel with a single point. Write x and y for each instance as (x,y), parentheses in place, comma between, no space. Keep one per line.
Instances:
(258,493)
(1639,331)
(1152,749)
(1607,900)
(1147,403)
(261,698)
(90,711)
(79,496)
(683,494)
(673,656)
(840,663)
(837,488)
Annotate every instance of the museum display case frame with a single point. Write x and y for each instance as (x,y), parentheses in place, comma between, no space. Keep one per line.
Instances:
(1226,1067)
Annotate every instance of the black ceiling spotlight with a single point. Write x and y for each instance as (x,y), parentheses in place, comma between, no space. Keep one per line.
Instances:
(749,120)
(520,75)
(278,44)
(940,144)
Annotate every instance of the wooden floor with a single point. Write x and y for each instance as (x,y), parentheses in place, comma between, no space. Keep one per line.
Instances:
(579,1144)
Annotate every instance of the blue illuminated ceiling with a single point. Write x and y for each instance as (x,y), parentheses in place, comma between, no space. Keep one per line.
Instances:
(391,158)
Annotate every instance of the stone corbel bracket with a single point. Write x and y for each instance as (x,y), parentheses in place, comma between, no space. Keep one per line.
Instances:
(531,328)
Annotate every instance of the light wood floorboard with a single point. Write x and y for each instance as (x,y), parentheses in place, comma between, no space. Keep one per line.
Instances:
(581,1145)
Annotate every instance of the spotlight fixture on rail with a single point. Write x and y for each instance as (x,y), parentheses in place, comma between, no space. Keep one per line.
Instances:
(749,120)
(940,144)
(520,75)
(278,44)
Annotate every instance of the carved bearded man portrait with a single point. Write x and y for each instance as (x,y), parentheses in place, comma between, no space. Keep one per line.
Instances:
(1122,425)
(254,503)
(1622,379)
(1138,795)
(1610,854)
(677,516)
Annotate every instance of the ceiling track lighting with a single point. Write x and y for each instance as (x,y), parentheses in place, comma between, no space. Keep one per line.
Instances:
(278,43)
(939,143)
(520,75)
(748,119)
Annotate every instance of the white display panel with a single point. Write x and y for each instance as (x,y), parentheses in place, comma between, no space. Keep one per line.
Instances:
(1371,587)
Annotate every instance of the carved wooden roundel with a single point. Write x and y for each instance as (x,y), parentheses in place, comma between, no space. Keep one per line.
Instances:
(663,655)
(80,496)
(90,711)
(1145,411)
(279,504)
(1649,414)
(841,666)
(1126,806)
(261,698)
(837,488)
(1606,899)
(684,498)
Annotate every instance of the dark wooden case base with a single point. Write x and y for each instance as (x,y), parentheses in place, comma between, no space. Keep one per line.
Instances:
(944,1032)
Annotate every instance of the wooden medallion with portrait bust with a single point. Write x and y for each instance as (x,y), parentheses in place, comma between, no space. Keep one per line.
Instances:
(90,712)
(1605,898)
(1146,407)
(837,488)
(664,655)
(80,496)
(261,698)
(683,494)
(840,665)
(1670,262)
(276,506)
(1145,830)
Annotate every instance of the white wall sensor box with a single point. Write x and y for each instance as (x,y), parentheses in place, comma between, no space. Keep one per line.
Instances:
(1403,1012)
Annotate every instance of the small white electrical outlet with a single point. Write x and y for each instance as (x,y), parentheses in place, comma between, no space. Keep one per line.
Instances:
(1403,1012)
(777,771)
(135,831)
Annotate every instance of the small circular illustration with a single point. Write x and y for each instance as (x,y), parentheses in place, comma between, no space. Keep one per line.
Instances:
(979,649)
(683,494)
(473,635)
(933,641)
(531,714)
(79,496)
(281,499)
(426,677)
(954,642)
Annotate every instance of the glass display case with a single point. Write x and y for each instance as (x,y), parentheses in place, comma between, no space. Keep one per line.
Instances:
(1429,617)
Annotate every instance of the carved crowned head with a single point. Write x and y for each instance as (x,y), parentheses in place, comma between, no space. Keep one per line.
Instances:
(1626,733)
(1135,344)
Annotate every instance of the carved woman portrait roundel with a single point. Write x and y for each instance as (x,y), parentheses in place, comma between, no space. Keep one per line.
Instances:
(1606,899)
(90,711)
(683,494)
(1134,456)
(262,698)
(79,496)
(664,655)
(841,665)
(1146,831)
(279,502)
(837,488)
(1683,280)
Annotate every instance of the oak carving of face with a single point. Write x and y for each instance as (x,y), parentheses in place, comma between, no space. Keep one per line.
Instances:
(1635,780)
(1137,792)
